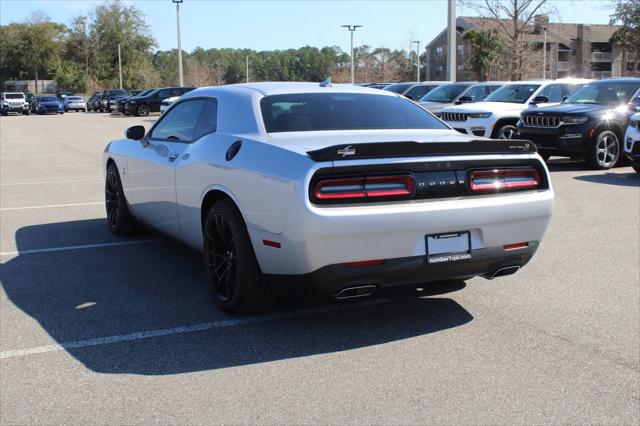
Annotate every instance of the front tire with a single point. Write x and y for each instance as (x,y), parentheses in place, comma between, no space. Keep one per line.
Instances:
(143,110)
(508,131)
(231,268)
(119,218)
(603,151)
(636,168)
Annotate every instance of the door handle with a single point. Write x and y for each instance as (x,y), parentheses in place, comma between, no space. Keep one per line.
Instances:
(172,157)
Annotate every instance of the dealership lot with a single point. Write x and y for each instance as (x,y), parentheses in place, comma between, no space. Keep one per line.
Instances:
(96,328)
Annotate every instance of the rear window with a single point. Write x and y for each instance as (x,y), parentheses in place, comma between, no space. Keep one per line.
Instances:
(398,87)
(75,98)
(343,111)
(113,93)
(48,99)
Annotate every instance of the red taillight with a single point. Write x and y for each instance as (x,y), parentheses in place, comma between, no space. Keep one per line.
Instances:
(365,263)
(515,246)
(364,187)
(496,180)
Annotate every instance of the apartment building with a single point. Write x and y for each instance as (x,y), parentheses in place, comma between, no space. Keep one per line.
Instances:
(576,50)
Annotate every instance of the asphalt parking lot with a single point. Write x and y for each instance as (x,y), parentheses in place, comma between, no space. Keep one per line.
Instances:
(100,329)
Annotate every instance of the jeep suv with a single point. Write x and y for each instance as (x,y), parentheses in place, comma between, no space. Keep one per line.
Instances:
(14,102)
(589,124)
(497,115)
(110,97)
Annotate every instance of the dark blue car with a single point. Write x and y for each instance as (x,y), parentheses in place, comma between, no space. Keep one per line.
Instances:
(49,105)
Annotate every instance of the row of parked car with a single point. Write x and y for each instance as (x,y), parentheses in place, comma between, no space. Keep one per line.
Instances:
(139,103)
(577,118)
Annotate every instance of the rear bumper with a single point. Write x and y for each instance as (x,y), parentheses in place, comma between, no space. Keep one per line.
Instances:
(319,236)
(414,270)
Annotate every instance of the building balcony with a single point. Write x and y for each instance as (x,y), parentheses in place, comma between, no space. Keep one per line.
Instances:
(600,56)
(564,66)
(599,75)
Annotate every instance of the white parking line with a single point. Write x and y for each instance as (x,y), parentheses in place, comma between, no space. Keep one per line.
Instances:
(182,330)
(79,247)
(46,182)
(51,206)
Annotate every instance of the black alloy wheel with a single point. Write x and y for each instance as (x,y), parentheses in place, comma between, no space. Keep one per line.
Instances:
(221,257)
(119,218)
(231,268)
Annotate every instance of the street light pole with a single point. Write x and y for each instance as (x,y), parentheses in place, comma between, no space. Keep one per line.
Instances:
(180,75)
(352,29)
(120,66)
(544,54)
(451,40)
(418,57)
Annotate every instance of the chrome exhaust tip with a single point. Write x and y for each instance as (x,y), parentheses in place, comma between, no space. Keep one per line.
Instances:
(356,291)
(504,271)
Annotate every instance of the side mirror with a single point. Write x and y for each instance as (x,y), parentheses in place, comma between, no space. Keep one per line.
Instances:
(540,100)
(634,105)
(135,133)
(408,96)
(564,98)
(464,100)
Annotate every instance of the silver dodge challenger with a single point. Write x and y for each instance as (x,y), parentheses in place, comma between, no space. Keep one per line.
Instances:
(338,188)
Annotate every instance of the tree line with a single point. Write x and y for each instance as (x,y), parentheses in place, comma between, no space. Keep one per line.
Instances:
(82,56)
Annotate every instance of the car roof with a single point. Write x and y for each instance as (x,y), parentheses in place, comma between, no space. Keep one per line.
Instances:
(617,80)
(282,88)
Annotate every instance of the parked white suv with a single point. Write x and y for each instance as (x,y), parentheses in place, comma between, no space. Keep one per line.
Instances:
(497,115)
(13,102)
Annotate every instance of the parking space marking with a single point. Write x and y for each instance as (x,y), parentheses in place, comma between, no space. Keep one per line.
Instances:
(183,329)
(78,247)
(50,206)
(51,181)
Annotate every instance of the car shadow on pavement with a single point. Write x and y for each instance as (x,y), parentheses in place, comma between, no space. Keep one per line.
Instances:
(119,290)
(617,179)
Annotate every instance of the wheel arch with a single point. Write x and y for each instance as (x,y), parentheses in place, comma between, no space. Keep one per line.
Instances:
(611,126)
(213,195)
(501,122)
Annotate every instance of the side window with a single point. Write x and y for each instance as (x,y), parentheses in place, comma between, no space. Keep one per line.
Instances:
(418,92)
(476,93)
(163,94)
(179,123)
(553,92)
(208,120)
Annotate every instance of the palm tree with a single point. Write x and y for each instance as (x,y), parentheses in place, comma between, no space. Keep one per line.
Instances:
(486,47)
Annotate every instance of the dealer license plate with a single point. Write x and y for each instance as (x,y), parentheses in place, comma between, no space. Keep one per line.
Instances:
(449,247)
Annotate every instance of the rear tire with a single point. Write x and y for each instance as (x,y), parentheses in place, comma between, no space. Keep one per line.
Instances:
(545,156)
(231,268)
(603,151)
(119,218)
(636,168)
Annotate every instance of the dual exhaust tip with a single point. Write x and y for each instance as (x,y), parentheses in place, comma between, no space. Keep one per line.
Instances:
(356,291)
(369,289)
(504,271)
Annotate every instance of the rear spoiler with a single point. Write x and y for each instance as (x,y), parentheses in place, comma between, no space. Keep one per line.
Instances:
(360,151)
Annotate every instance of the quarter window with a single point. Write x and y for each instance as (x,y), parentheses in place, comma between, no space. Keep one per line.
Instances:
(179,124)
(208,119)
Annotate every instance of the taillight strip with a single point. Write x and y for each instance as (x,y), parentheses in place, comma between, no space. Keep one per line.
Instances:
(499,179)
(364,187)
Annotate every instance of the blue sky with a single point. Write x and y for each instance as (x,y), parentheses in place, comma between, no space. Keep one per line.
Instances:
(266,25)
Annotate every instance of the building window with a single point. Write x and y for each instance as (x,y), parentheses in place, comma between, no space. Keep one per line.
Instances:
(460,49)
(439,51)
(440,68)
(460,67)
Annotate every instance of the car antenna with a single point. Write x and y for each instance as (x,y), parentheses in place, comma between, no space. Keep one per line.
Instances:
(326,83)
